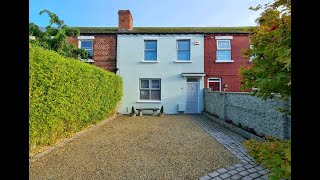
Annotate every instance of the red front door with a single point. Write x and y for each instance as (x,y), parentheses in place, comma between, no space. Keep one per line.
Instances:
(214,86)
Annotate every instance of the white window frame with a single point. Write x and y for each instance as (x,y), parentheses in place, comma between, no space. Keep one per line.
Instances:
(177,46)
(144,49)
(150,88)
(86,38)
(214,79)
(223,37)
(224,60)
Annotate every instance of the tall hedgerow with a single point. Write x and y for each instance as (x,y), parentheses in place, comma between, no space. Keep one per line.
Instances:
(66,96)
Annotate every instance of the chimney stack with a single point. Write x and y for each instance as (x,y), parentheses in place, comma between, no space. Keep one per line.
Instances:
(125,20)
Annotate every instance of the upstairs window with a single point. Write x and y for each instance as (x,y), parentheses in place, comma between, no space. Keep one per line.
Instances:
(223,50)
(183,50)
(150,50)
(88,46)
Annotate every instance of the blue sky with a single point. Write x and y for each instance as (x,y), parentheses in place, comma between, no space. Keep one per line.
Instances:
(148,13)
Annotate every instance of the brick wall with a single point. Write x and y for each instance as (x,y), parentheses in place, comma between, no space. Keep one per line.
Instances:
(233,82)
(125,20)
(72,40)
(104,50)
(228,72)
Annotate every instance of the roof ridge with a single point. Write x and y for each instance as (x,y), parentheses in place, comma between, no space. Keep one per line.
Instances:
(168,30)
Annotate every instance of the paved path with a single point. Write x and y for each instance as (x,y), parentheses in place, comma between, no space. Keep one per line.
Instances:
(246,170)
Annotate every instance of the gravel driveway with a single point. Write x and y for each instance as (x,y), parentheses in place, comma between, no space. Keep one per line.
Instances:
(147,147)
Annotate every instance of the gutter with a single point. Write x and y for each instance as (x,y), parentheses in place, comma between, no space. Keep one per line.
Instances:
(101,33)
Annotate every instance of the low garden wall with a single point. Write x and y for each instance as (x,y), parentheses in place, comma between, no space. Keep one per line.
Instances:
(243,110)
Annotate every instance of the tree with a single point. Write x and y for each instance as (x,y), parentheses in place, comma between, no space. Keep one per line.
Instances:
(270,68)
(34,30)
(55,37)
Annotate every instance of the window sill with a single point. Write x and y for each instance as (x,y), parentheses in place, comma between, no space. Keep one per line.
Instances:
(89,60)
(146,101)
(224,61)
(181,61)
(150,61)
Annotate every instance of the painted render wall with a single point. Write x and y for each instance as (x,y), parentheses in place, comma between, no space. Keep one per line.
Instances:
(130,53)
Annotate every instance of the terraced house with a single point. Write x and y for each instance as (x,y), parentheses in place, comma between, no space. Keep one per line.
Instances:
(167,66)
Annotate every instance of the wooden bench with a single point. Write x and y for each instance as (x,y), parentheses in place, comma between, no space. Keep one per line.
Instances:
(142,109)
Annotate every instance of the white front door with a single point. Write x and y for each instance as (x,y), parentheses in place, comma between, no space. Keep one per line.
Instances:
(192,105)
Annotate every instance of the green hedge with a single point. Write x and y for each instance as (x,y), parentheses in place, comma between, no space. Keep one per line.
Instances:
(67,95)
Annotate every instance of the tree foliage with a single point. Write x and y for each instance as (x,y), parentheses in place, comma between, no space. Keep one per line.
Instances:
(34,30)
(55,37)
(273,154)
(270,68)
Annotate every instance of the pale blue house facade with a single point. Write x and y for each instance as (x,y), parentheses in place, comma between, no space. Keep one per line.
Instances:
(161,70)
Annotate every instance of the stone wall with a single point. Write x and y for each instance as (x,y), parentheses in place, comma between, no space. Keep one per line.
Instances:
(250,111)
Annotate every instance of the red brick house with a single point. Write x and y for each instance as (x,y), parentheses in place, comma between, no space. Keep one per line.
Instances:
(222,59)
(102,46)
(101,43)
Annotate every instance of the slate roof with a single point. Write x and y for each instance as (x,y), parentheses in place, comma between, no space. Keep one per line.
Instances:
(166,30)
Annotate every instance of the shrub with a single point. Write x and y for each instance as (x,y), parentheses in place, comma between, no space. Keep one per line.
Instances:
(274,154)
(132,110)
(66,96)
(161,109)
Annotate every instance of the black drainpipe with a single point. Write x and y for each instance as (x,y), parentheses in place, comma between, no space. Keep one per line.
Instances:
(115,58)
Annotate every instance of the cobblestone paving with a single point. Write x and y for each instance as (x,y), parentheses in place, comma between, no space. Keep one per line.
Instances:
(246,170)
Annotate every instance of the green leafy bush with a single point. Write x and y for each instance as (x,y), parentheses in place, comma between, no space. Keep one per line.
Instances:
(273,154)
(55,37)
(66,96)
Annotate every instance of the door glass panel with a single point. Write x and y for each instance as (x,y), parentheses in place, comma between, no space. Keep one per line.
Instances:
(214,86)
(192,80)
